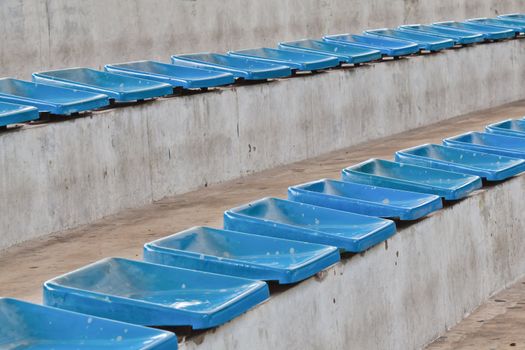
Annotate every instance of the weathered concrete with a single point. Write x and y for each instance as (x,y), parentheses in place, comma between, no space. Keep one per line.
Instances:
(62,175)
(400,294)
(497,324)
(43,34)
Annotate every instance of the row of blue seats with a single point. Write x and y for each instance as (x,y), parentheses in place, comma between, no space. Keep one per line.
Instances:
(69,91)
(203,277)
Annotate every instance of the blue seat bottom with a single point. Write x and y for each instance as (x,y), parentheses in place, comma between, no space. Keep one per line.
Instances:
(14,113)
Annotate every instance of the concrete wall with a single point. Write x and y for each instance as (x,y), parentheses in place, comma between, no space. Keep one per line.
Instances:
(398,295)
(44,34)
(65,174)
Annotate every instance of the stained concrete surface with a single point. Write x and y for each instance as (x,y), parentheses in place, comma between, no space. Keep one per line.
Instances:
(25,267)
(498,324)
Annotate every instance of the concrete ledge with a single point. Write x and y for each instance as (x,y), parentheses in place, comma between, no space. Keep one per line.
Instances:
(398,295)
(62,175)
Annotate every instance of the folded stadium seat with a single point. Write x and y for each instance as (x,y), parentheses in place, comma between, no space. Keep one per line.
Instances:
(178,76)
(425,41)
(240,67)
(508,127)
(485,165)
(297,61)
(488,32)
(347,53)
(304,222)
(31,326)
(384,173)
(118,87)
(514,22)
(241,254)
(460,37)
(509,146)
(387,46)
(518,17)
(365,199)
(48,98)
(14,113)
(154,295)
(516,26)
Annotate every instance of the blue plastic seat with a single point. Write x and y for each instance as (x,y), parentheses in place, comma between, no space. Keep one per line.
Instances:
(425,41)
(384,173)
(347,53)
(489,166)
(14,113)
(26,326)
(154,295)
(488,32)
(459,36)
(242,255)
(48,98)
(514,22)
(489,143)
(509,127)
(172,74)
(519,17)
(308,223)
(387,46)
(302,61)
(240,67)
(118,87)
(364,199)
(517,26)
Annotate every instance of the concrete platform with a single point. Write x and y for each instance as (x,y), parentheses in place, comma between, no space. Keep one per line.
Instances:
(400,294)
(74,172)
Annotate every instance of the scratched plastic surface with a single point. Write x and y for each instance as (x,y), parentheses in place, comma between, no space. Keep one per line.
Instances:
(240,254)
(117,87)
(14,113)
(489,143)
(303,61)
(174,75)
(459,36)
(378,172)
(517,26)
(345,52)
(26,326)
(387,46)
(49,98)
(488,32)
(364,199)
(240,67)
(509,127)
(489,166)
(154,295)
(304,222)
(425,41)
